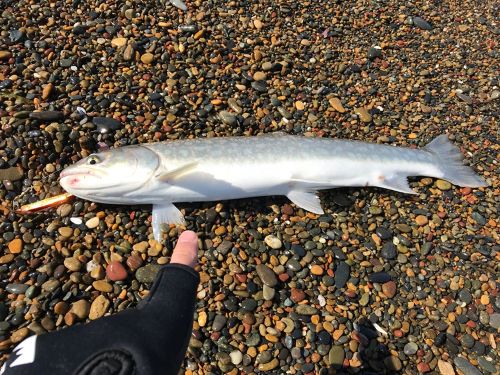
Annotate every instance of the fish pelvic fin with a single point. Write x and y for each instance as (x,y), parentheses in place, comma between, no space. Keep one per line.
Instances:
(450,161)
(307,200)
(165,213)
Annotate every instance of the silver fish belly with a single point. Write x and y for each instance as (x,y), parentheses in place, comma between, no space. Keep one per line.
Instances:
(239,167)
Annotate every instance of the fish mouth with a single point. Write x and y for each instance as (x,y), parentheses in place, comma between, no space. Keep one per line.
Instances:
(82,172)
(71,180)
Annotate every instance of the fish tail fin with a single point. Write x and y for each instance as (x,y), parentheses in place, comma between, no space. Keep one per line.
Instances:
(450,162)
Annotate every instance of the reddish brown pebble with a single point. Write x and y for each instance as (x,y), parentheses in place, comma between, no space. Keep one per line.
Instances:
(350,294)
(248,318)
(398,333)
(241,277)
(115,271)
(297,295)
(283,277)
(389,289)
(287,209)
(134,262)
(423,367)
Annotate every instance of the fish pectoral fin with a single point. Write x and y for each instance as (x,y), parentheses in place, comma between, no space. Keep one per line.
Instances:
(307,200)
(176,173)
(165,214)
(397,182)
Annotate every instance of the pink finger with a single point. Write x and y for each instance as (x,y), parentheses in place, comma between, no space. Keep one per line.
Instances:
(186,250)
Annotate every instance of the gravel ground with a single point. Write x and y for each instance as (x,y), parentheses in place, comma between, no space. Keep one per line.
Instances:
(382,282)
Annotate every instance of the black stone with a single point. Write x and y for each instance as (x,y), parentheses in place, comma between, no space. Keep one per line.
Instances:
(389,251)
(16,288)
(47,115)
(16,36)
(5,84)
(155,96)
(79,29)
(249,304)
(65,63)
(479,348)
(440,339)
(105,124)
(465,295)
(379,277)
(324,338)
(421,23)
(293,265)
(260,86)
(383,233)
(298,250)
(308,367)
(4,310)
(342,274)
(468,341)
(374,52)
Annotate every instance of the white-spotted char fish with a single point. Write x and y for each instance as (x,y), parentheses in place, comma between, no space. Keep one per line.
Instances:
(214,169)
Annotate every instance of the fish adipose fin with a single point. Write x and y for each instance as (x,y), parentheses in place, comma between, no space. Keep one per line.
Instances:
(450,161)
(307,200)
(177,172)
(396,182)
(165,214)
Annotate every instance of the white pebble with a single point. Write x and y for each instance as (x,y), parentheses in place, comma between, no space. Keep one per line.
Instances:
(178,4)
(321,300)
(273,242)
(76,220)
(236,357)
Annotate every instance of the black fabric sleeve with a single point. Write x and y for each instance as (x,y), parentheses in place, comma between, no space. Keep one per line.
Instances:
(151,339)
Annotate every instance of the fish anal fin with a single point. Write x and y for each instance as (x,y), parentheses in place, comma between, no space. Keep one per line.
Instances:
(307,200)
(177,172)
(165,213)
(396,182)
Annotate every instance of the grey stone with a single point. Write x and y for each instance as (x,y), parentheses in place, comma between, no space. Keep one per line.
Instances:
(266,275)
(466,367)
(147,273)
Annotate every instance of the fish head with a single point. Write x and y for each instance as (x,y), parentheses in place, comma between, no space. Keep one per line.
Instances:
(111,174)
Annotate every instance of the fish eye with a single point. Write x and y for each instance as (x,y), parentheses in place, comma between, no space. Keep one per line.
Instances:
(93,159)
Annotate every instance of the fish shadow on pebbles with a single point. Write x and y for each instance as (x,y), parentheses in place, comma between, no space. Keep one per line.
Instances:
(374,357)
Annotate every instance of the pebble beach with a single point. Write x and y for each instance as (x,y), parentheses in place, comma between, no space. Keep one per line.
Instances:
(382,283)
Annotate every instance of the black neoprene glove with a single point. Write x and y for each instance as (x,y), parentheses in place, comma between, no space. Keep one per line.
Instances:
(150,339)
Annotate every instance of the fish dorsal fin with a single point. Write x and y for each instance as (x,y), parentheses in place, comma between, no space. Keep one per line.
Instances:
(307,200)
(396,182)
(165,213)
(166,176)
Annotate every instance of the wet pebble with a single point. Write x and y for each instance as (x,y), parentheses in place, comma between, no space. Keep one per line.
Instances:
(106,124)
(267,275)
